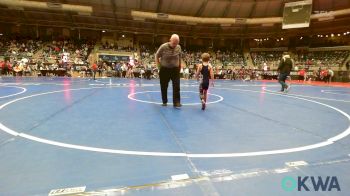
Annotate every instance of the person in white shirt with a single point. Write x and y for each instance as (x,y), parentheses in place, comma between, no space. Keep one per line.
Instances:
(265,67)
(187,73)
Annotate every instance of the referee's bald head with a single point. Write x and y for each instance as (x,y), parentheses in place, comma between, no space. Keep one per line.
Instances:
(174,40)
(175,37)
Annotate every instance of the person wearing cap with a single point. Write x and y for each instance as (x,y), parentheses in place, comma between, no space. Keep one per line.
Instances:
(284,69)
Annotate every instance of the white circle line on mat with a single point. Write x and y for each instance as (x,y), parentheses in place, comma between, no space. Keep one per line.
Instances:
(311,97)
(334,92)
(23,91)
(130,96)
(174,154)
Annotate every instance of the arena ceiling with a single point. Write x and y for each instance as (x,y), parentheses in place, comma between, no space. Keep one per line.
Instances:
(115,15)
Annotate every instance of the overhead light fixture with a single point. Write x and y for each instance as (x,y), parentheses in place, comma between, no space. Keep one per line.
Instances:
(162,15)
(18,8)
(267,25)
(191,23)
(139,19)
(123,35)
(326,18)
(84,13)
(295,10)
(103,31)
(225,25)
(53,5)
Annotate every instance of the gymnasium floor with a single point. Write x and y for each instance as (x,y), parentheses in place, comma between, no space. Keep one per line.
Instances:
(113,137)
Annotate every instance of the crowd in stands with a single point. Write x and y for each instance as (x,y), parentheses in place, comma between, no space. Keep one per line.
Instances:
(19,47)
(121,69)
(18,52)
(261,59)
(67,51)
(147,54)
(115,47)
(230,58)
(29,57)
(302,59)
(33,56)
(327,42)
(226,58)
(321,58)
(192,58)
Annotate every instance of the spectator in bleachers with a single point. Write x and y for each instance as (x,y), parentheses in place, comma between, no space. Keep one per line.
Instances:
(100,68)
(18,69)
(301,75)
(187,73)
(27,70)
(330,74)
(118,69)
(6,67)
(324,75)
(94,69)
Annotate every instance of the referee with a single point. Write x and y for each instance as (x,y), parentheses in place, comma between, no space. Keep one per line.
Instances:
(168,59)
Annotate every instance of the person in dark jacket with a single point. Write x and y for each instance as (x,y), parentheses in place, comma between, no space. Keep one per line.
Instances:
(284,68)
